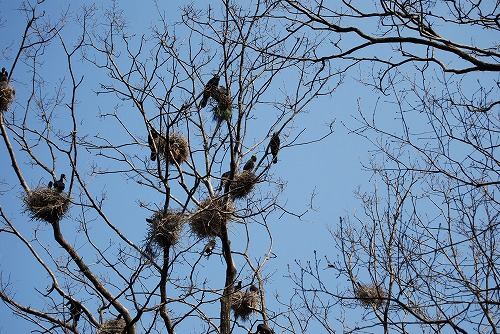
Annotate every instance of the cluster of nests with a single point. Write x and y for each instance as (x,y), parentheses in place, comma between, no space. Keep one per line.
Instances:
(7,92)
(46,204)
(243,303)
(370,295)
(223,109)
(112,326)
(174,150)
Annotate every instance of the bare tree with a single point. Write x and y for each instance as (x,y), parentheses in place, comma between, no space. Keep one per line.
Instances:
(422,256)
(156,125)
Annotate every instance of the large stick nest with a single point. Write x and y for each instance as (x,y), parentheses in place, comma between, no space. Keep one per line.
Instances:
(7,93)
(112,326)
(210,217)
(243,184)
(46,204)
(370,295)
(165,228)
(243,303)
(175,150)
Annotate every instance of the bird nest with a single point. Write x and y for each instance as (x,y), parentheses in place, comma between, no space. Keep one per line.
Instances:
(7,93)
(210,217)
(176,150)
(112,326)
(370,295)
(46,204)
(243,303)
(223,110)
(165,228)
(243,184)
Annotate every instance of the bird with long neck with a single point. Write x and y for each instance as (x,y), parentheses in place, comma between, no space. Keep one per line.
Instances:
(59,184)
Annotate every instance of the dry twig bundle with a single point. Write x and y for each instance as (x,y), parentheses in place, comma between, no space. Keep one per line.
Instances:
(112,326)
(243,303)
(177,149)
(46,204)
(210,217)
(165,228)
(243,184)
(224,108)
(7,93)
(370,295)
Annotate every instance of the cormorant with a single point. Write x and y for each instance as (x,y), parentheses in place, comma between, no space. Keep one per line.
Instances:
(151,140)
(263,329)
(74,310)
(238,285)
(210,87)
(250,164)
(50,185)
(223,179)
(59,184)
(209,247)
(4,76)
(274,145)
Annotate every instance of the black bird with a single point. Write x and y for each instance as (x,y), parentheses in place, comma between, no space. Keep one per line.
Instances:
(223,179)
(210,87)
(209,247)
(151,143)
(250,164)
(237,287)
(253,288)
(75,311)
(4,76)
(59,184)
(264,329)
(50,185)
(274,145)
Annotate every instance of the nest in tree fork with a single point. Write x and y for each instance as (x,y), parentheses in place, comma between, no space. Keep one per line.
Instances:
(243,184)
(7,93)
(370,295)
(175,150)
(208,220)
(112,326)
(46,204)
(243,303)
(165,228)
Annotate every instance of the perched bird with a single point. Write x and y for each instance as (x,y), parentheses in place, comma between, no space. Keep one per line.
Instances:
(4,76)
(50,185)
(223,179)
(151,143)
(238,285)
(264,329)
(74,310)
(209,247)
(210,87)
(59,184)
(253,288)
(274,145)
(250,164)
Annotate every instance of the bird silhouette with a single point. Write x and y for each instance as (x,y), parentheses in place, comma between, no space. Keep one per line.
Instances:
(59,184)
(250,164)
(50,185)
(274,145)
(152,141)
(223,180)
(4,75)
(209,89)
(264,329)
(237,286)
(209,247)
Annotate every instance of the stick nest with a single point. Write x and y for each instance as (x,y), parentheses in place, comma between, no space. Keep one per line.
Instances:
(243,303)
(243,184)
(112,326)
(46,204)
(210,217)
(224,108)
(176,150)
(165,228)
(7,93)
(370,295)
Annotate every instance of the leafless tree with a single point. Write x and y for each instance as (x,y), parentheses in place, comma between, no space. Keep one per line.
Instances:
(118,111)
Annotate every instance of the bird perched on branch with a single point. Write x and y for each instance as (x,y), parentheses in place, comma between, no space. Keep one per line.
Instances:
(223,180)
(151,142)
(4,75)
(264,329)
(75,310)
(209,247)
(250,164)
(59,184)
(274,145)
(50,185)
(210,87)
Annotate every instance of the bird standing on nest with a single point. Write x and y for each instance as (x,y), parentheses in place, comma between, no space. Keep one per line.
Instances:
(4,76)
(210,87)
(50,185)
(274,145)
(250,164)
(223,180)
(264,329)
(151,143)
(237,287)
(59,184)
